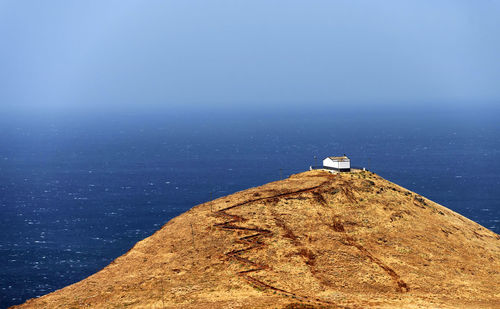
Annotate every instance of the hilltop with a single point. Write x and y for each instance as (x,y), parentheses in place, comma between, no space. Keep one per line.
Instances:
(314,240)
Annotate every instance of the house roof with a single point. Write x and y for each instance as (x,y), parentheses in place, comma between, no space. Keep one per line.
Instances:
(340,159)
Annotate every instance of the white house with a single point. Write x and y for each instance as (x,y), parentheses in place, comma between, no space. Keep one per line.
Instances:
(342,164)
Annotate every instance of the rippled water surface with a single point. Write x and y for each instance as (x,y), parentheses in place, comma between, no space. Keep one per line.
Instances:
(79,191)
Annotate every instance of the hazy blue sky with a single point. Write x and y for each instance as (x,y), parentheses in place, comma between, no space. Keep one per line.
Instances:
(60,55)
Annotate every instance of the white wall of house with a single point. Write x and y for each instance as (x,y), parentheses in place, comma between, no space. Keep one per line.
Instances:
(336,164)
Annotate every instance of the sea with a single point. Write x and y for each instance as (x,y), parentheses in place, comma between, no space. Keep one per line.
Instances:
(78,189)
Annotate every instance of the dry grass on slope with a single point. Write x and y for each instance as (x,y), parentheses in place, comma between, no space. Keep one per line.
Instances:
(314,240)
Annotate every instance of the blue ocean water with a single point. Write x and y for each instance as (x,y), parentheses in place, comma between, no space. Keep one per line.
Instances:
(77,191)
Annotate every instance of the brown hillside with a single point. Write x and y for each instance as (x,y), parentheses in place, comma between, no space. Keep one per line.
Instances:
(314,240)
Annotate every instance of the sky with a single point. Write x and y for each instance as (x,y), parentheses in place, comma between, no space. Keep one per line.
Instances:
(64,55)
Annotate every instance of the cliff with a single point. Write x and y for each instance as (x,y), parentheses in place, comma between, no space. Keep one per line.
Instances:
(314,240)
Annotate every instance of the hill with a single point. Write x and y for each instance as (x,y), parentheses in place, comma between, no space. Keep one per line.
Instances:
(314,240)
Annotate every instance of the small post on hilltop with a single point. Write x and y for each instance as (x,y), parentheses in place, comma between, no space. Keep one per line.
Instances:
(281,173)
(211,198)
(192,235)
